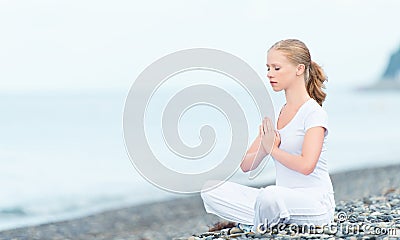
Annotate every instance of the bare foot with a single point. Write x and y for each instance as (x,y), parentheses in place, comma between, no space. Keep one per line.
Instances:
(221,225)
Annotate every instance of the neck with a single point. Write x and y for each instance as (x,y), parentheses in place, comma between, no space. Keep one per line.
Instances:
(296,95)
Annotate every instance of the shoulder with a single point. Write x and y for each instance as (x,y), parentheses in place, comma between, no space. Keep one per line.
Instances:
(314,109)
(315,115)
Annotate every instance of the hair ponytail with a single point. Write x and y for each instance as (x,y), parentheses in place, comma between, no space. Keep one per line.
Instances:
(315,83)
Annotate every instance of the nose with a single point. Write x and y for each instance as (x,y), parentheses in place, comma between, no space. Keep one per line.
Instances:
(269,75)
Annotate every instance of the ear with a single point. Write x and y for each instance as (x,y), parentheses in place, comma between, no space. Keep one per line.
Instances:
(300,69)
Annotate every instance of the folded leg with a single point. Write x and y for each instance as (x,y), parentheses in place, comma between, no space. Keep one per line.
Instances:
(231,201)
(275,204)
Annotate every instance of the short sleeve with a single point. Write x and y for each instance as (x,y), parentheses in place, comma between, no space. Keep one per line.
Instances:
(317,118)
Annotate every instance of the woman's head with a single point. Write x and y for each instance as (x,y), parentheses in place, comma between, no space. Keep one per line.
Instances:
(289,59)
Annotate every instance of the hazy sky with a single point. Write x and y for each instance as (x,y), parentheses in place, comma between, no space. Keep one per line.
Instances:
(92,44)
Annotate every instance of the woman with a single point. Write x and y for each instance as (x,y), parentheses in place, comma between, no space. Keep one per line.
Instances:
(303,193)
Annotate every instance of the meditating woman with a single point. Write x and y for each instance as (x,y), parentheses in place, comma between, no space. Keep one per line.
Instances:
(303,192)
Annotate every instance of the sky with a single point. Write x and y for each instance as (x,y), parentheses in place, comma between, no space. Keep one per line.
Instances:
(104,45)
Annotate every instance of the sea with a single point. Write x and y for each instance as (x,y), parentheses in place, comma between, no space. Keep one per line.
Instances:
(63,155)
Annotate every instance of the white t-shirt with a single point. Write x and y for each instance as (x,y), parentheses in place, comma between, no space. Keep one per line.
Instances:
(309,115)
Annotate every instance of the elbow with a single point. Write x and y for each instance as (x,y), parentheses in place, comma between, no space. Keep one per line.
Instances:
(307,170)
(308,165)
(244,167)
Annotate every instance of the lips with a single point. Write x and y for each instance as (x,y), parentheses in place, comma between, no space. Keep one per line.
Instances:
(272,82)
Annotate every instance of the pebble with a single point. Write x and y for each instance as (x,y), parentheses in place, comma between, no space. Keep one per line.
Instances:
(369,218)
(376,214)
(193,238)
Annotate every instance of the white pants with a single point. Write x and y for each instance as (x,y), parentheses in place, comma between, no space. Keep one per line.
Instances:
(269,205)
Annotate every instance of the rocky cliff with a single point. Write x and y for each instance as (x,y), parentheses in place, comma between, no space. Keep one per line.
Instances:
(392,71)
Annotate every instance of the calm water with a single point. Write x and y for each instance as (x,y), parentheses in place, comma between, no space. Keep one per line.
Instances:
(62,155)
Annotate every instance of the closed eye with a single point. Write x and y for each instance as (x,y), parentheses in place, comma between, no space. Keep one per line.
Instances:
(276,69)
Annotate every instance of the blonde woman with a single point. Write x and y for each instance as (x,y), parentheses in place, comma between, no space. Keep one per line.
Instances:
(303,192)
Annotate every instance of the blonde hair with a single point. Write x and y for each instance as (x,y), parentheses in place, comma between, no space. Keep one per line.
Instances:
(297,52)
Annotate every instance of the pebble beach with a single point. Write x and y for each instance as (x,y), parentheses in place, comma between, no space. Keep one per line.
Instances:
(368,207)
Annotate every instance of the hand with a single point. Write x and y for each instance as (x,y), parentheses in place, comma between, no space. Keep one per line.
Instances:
(277,141)
(269,137)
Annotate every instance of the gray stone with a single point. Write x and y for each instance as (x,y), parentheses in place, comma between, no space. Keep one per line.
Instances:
(376,214)
(235,230)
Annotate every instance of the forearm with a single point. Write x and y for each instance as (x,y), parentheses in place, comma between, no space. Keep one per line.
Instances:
(297,163)
(252,159)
